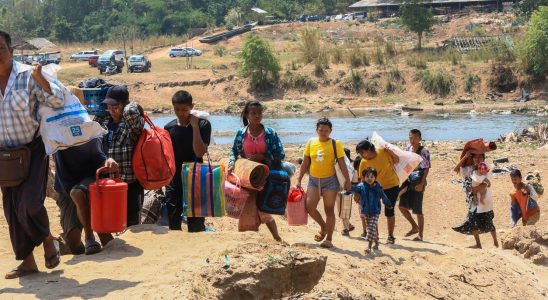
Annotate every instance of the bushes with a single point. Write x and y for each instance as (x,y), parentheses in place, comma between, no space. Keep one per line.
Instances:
(353,83)
(337,55)
(219,50)
(312,50)
(437,83)
(321,63)
(502,78)
(372,88)
(378,56)
(416,61)
(259,62)
(390,49)
(357,57)
(470,82)
(297,81)
(310,44)
(395,81)
(533,52)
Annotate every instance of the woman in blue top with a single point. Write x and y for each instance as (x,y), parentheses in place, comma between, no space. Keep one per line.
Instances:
(259,144)
(371,193)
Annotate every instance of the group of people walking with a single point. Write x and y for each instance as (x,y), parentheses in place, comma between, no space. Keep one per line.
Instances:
(23,88)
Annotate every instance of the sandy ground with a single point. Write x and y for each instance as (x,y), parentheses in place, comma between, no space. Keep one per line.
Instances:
(148,262)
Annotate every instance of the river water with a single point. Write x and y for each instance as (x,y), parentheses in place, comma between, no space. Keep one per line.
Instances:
(391,126)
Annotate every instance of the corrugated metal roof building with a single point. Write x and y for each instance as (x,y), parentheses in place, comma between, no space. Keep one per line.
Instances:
(439,5)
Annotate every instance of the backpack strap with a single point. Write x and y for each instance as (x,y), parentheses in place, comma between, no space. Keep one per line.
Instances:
(334,143)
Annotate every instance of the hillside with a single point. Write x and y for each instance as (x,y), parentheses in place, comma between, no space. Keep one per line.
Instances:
(394,75)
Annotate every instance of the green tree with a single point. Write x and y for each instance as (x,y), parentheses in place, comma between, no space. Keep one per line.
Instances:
(533,51)
(233,17)
(259,62)
(63,30)
(417,18)
(527,7)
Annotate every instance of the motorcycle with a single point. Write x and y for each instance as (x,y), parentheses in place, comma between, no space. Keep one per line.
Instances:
(111,69)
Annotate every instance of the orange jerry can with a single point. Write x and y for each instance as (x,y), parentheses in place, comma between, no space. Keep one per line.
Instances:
(108,198)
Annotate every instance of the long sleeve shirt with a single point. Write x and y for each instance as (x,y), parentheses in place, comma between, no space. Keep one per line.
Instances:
(119,143)
(19,106)
(370,198)
(274,148)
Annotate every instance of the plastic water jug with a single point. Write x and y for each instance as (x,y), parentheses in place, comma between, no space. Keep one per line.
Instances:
(108,197)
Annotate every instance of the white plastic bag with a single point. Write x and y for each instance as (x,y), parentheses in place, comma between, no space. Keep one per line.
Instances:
(202,115)
(67,126)
(408,160)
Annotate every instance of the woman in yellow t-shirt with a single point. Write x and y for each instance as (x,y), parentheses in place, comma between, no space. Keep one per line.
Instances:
(319,161)
(383,161)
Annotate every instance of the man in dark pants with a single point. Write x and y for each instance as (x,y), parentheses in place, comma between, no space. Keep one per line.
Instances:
(21,89)
(75,169)
(124,124)
(190,136)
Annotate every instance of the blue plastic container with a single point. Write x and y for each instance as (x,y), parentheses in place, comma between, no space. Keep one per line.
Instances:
(93,99)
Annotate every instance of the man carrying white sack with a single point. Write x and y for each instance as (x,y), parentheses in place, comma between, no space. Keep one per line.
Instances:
(23,180)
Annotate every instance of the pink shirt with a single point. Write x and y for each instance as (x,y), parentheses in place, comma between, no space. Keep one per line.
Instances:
(254,145)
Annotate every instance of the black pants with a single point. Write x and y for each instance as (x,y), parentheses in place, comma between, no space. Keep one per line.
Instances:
(135,197)
(24,205)
(174,197)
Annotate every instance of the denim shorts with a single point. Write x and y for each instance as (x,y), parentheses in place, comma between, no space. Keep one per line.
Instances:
(324,184)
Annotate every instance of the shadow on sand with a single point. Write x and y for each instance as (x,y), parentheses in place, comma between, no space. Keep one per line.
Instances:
(54,286)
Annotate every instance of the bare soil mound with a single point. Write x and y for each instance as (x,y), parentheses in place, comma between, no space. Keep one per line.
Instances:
(530,241)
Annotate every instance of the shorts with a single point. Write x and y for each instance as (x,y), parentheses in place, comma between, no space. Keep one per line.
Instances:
(392,195)
(67,208)
(411,199)
(324,184)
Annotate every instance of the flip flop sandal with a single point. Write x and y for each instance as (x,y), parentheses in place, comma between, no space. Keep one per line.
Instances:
(351,227)
(411,232)
(345,232)
(391,240)
(418,238)
(53,261)
(320,236)
(326,244)
(92,247)
(367,251)
(17,273)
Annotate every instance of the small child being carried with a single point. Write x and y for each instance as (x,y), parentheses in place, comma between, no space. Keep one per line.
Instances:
(371,192)
(479,176)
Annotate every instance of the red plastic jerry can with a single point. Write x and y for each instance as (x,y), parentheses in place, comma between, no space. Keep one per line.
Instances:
(108,198)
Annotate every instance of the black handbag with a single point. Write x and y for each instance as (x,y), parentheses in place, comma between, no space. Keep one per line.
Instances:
(14,166)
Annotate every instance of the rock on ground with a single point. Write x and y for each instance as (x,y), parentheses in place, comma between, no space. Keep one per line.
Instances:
(530,241)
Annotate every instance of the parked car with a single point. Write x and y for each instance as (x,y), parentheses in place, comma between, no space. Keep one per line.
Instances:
(47,58)
(193,52)
(177,52)
(115,56)
(313,18)
(83,55)
(93,61)
(184,52)
(23,58)
(138,63)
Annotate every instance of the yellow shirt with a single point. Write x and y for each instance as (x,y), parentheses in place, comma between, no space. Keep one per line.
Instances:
(322,157)
(383,163)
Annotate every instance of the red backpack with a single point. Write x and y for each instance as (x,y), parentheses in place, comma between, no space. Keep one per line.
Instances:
(153,158)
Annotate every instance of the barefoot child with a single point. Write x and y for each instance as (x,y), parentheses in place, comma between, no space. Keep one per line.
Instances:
(479,176)
(371,193)
(525,196)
